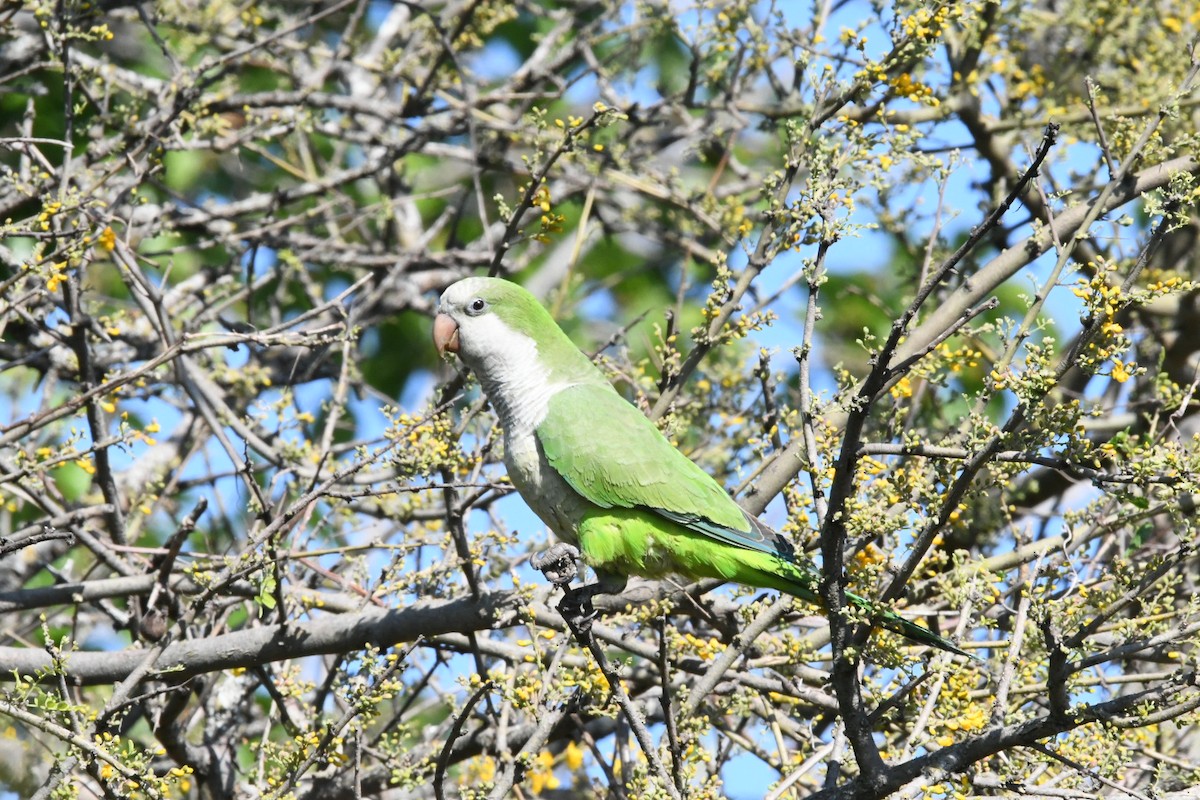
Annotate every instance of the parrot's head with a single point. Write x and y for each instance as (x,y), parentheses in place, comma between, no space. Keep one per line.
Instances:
(490,322)
(511,343)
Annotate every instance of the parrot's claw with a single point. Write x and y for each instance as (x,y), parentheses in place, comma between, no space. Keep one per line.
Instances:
(559,563)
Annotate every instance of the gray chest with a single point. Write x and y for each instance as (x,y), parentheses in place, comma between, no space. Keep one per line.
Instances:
(542,488)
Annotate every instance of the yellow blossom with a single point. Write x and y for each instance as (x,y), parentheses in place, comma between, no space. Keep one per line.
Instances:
(867,556)
(541,773)
(57,276)
(574,756)
(481,769)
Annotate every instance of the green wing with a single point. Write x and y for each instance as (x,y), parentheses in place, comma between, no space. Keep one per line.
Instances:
(612,455)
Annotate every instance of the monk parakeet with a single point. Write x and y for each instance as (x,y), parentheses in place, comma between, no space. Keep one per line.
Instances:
(598,472)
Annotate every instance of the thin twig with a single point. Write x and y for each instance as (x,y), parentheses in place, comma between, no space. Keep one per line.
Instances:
(664,672)
(48,534)
(633,717)
(439,772)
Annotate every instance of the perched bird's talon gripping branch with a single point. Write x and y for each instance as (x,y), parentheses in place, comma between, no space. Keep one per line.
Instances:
(599,473)
(559,563)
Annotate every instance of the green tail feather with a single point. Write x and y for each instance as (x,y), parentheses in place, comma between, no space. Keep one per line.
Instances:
(803,585)
(911,630)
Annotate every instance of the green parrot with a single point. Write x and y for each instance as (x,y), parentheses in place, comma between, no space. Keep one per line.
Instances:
(599,473)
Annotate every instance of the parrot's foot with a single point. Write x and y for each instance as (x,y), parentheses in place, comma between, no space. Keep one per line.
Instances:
(559,563)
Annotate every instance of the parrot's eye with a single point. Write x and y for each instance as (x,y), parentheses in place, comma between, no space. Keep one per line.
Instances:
(476,306)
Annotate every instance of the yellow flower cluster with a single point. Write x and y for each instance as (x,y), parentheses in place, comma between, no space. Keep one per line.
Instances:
(48,212)
(541,773)
(705,648)
(958,712)
(1102,297)
(958,357)
(526,688)
(1166,285)
(57,276)
(126,766)
(550,222)
(901,389)
(903,85)
(589,678)
(866,558)
(289,683)
(1104,301)
(425,445)
(480,769)
(927,24)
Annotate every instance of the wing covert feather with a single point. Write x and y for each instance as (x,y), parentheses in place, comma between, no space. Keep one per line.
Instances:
(612,455)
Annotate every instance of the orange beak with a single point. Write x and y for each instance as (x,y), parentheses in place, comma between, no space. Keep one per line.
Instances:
(445,334)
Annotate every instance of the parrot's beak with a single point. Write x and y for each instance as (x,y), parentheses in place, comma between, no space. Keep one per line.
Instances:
(445,334)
